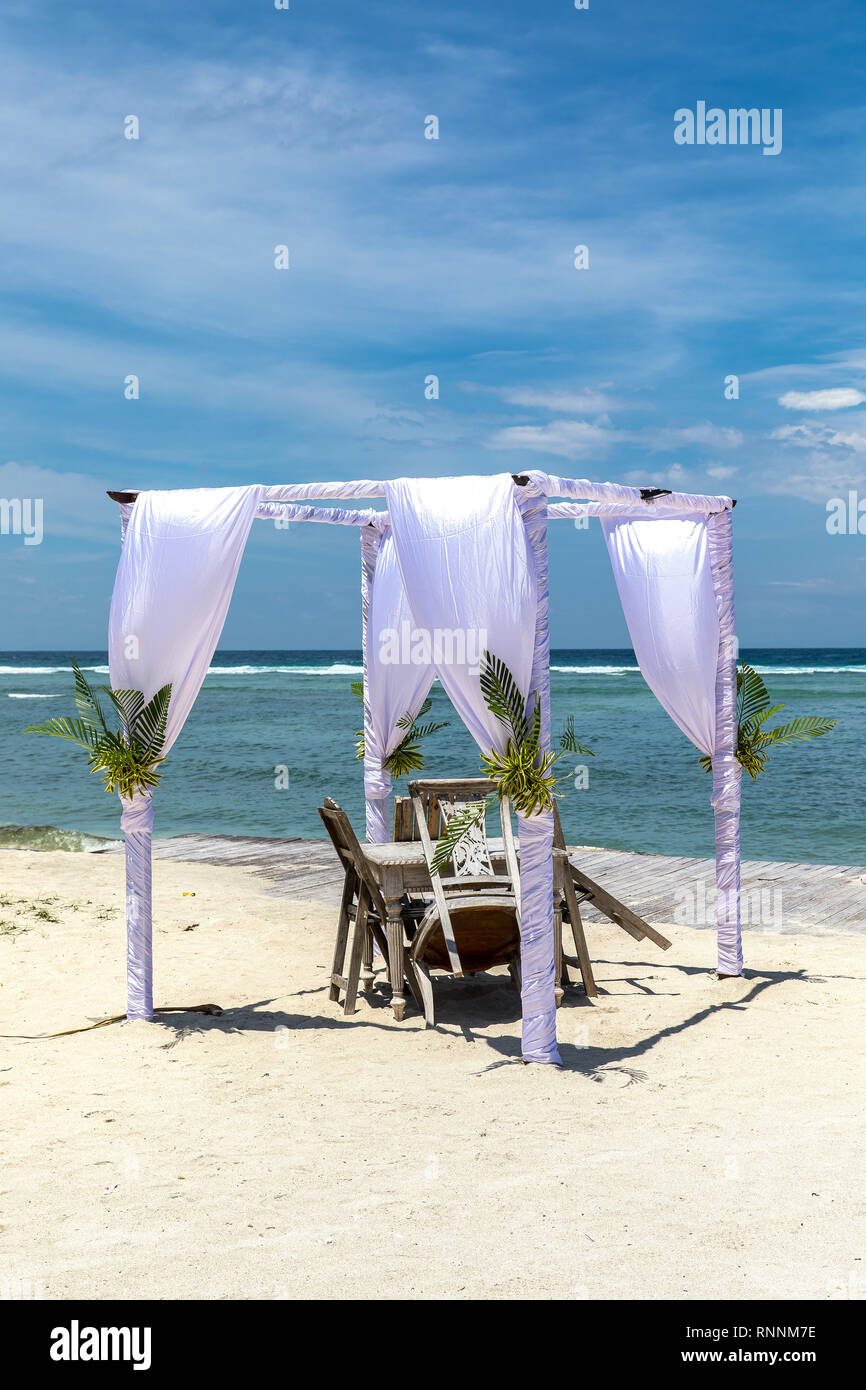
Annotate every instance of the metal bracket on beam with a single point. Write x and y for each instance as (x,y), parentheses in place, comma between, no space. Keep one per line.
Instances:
(649,494)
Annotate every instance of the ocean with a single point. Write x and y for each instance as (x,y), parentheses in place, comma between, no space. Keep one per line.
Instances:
(272,733)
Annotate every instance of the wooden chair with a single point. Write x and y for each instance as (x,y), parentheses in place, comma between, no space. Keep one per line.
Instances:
(405,823)
(566,907)
(473,921)
(362,908)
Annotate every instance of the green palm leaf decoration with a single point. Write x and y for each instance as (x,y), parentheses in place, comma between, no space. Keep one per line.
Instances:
(126,758)
(753,711)
(407,756)
(455,829)
(568,741)
(502,696)
(813,726)
(522,772)
(128,704)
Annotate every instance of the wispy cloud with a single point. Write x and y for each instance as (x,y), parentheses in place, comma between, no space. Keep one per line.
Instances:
(558,401)
(570,439)
(812,433)
(713,436)
(834,398)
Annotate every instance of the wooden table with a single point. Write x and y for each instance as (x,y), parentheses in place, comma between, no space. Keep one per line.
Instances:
(399,865)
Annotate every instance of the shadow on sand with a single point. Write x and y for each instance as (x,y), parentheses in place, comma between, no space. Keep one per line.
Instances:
(470,1007)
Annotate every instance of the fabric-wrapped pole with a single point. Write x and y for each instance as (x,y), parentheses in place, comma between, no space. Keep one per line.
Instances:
(727,772)
(137,825)
(136,822)
(582,490)
(535,833)
(377,783)
(335,516)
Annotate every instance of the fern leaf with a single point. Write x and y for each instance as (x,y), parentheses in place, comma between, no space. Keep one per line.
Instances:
(811,726)
(568,741)
(86,701)
(129,704)
(73,730)
(150,724)
(425,730)
(752,695)
(533,730)
(502,696)
(455,829)
(406,757)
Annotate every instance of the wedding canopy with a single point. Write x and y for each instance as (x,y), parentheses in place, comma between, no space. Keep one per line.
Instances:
(453,566)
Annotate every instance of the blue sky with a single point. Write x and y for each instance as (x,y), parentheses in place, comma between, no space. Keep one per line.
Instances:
(412,257)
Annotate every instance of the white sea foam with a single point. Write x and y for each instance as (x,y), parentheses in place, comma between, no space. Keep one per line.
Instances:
(47,670)
(335,670)
(598,670)
(346,669)
(809,670)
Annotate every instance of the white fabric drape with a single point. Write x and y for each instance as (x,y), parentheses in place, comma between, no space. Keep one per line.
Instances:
(470,583)
(397,676)
(177,570)
(665,583)
(174,582)
(675,581)
(471,578)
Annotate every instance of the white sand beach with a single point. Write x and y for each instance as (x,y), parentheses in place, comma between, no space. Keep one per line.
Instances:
(703,1139)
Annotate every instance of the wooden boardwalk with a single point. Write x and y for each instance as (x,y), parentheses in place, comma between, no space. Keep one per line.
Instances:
(661,888)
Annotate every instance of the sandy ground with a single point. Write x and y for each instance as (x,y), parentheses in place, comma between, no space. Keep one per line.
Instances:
(702,1140)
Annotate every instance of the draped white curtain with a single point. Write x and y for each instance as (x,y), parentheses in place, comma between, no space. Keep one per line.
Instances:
(470,582)
(175,579)
(394,684)
(662,571)
(470,574)
(676,584)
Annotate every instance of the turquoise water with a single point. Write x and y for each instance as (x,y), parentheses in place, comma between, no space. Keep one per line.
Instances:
(262,711)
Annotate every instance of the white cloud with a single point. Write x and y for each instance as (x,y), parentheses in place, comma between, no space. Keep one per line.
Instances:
(716,436)
(812,434)
(571,439)
(811,585)
(587,401)
(816,476)
(833,398)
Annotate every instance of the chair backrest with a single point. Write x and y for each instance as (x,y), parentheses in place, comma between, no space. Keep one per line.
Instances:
(470,861)
(471,857)
(405,821)
(451,796)
(345,842)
